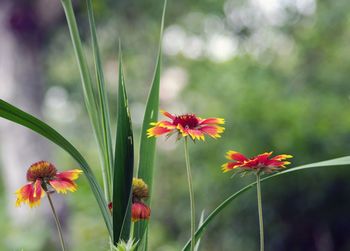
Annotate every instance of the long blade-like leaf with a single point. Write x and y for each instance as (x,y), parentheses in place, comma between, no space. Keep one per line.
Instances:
(89,95)
(148,145)
(124,165)
(333,162)
(20,117)
(103,101)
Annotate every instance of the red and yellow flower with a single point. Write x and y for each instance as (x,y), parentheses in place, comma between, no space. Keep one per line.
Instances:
(140,211)
(260,163)
(43,175)
(187,125)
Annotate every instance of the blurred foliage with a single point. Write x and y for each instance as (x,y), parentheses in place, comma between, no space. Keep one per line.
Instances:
(284,88)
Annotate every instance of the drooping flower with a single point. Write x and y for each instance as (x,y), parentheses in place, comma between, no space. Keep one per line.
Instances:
(187,125)
(260,163)
(42,176)
(140,211)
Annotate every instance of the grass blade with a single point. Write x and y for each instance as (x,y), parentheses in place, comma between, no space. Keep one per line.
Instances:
(201,220)
(102,98)
(333,162)
(148,145)
(124,165)
(20,117)
(89,96)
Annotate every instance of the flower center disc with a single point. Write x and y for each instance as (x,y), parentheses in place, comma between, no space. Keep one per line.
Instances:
(187,121)
(41,170)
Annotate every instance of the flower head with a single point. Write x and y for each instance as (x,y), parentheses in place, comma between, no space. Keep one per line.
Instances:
(260,163)
(43,175)
(140,211)
(187,125)
(139,189)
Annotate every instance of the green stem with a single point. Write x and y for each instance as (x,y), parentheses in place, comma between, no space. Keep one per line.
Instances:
(261,220)
(59,228)
(132,230)
(190,188)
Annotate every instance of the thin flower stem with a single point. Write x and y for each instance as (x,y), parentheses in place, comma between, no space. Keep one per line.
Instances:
(190,188)
(132,227)
(261,220)
(59,228)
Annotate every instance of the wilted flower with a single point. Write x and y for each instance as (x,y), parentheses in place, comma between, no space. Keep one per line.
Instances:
(187,124)
(140,211)
(41,176)
(260,163)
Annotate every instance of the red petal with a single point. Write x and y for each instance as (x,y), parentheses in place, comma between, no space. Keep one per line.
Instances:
(70,174)
(212,121)
(157,131)
(231,165)
(23,194)
(63,185)
(233,155)
(196,134)
(212,130)
(36,194)
(167,114)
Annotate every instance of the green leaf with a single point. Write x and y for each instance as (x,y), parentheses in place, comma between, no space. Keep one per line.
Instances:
(333,162)
(124,165)
(102,98)
(89,95)
(20,117)
(148,145)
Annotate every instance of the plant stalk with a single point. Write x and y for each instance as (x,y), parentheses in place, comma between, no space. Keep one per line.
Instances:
(58,224)
(190,188)
(261,220)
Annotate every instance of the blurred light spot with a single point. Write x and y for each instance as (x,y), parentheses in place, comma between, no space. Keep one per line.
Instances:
(174,40)
(213,24)
(57,106)
(173,80)
(221,48)
(111,73)
(193,48)
(137,112)
(306,7)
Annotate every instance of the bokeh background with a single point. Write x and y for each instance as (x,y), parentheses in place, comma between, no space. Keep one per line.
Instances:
(276,70)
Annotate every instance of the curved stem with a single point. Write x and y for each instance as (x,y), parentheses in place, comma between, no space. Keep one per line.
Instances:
(261,220)
(59,228)
(190,188)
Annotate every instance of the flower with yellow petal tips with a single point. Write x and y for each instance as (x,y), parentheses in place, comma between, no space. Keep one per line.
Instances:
(43,175)
(260,163)
(140,211)
(187,125)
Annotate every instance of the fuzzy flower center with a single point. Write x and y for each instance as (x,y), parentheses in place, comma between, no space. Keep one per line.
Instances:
(188,121)
(41,170)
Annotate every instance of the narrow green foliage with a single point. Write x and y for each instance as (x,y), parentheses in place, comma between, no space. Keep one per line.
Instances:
(333,162)
(89,96)
(20,117)
(201,220)
(126,246)
(124,165)
(148,145)
(102,98)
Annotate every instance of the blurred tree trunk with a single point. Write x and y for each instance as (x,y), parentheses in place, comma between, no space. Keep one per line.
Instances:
(22,30)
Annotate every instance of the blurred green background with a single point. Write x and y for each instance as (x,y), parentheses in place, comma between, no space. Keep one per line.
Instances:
(276,70)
